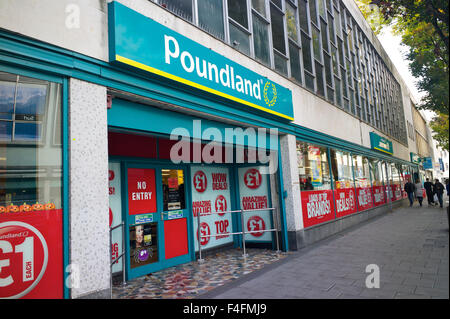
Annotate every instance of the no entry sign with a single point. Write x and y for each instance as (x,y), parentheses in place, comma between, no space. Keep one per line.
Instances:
(141,191)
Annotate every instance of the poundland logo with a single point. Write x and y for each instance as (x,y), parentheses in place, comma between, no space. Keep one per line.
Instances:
(208,70)
(143,43)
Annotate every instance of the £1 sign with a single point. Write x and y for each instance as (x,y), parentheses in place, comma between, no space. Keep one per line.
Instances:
(23,258)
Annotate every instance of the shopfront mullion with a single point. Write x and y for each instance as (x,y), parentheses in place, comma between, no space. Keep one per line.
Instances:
(354,182)
(332,181)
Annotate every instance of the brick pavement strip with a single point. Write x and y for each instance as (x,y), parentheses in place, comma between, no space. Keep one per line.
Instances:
(410,246)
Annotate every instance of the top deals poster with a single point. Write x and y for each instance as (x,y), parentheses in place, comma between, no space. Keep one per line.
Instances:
(211,195)
(253,192)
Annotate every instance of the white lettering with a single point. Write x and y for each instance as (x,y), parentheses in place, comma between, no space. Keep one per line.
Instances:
(174,54)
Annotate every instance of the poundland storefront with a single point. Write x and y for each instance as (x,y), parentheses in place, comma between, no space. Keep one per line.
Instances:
(178,173)
(162,148)
(186,139)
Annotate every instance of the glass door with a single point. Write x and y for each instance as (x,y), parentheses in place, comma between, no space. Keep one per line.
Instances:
(156,218)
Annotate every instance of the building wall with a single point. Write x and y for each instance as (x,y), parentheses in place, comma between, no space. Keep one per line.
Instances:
(89,200)
(57,24)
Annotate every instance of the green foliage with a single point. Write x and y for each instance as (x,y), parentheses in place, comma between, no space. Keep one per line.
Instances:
(439,125)
(424,28)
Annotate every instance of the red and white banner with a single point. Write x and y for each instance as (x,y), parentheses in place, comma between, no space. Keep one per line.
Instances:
(379,197)
(364,196)
(254,194)
(345,200)
(317,207)
(211,195)
(31,255)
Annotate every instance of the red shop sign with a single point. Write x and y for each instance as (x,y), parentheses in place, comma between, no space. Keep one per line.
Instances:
(31,255)
(378,195)
(317,207)
(141,191)
(364,198)
(345,201)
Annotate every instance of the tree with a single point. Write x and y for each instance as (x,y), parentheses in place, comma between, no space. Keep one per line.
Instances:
(424,28)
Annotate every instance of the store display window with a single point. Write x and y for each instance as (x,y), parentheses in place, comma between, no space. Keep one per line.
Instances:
(362,182)
(315,184)
(344,187)
(31,216)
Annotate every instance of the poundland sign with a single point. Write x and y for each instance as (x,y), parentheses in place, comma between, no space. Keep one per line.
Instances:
(140,42)
(381,144)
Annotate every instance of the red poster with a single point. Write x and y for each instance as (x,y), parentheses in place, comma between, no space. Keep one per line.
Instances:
(141,191)
(345,201)
(364,196)
(317,207)
(31,255)
(378,195)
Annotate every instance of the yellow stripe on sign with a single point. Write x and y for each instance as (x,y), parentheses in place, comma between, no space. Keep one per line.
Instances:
(196,85)
(382,150)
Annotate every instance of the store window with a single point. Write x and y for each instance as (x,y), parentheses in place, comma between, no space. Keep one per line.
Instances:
(344,187)
(30,186)
(396,181)
(362,182)
(377,175)
(315,184)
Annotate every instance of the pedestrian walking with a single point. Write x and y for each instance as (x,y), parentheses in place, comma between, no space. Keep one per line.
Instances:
(419,191)
(429,190)
(409,189)
(439,191)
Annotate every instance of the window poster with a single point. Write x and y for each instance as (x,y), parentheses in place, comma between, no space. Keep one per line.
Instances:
(345,201)
(254,194)
(211,195)
(317,207)
(379,197)
(316,165)
(143,244)
(115,214)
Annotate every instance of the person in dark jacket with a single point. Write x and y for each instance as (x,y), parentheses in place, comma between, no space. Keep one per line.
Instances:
(429,190)
(409,189)
(438,189)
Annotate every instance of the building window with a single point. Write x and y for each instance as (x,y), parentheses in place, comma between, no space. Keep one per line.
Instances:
(261,39)
(238,24)
(278,38)
(182,8)
(210,17)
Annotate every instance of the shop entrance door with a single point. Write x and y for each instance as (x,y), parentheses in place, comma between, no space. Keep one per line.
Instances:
(156,218)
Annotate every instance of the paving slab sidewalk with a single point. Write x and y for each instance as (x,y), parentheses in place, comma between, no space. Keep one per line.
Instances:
(409,246)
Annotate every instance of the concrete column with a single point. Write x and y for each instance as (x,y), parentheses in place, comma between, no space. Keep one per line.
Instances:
(89,206)
(294,217)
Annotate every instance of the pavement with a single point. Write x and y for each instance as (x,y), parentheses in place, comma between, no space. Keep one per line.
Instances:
(408,248)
